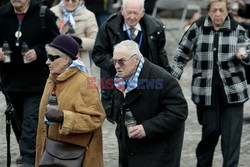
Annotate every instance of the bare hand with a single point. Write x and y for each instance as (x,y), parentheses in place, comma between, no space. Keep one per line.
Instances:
(31,55)
(137,132)
(241,56)
(2,56)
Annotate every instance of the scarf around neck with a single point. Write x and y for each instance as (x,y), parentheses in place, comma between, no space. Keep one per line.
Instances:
(80,65)
(68,17)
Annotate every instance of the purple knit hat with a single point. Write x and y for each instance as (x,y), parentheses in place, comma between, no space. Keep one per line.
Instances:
(67,45)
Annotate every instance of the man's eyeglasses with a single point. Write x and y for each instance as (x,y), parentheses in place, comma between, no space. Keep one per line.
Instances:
(121,62)
(53,57)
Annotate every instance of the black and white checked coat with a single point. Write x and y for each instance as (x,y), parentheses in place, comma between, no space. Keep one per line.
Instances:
(198,43)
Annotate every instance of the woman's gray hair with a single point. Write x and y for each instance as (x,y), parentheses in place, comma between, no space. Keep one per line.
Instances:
(209,3)
(132,46)
(52,49)
(141,2)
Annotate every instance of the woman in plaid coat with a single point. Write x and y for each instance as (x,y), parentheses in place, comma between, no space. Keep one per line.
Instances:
(219,87)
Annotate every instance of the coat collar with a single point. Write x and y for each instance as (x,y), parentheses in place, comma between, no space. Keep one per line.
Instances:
(151,24)
(65,75)
(147,67)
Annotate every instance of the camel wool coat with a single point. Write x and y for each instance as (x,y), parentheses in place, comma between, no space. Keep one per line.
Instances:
(78,99)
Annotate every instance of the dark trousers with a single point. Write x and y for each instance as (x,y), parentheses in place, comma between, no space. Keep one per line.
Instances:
(216,121)
(26,106)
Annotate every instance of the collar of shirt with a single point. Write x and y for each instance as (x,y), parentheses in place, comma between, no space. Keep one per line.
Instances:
(137,28)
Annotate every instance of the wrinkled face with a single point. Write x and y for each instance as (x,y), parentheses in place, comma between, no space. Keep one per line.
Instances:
(71,5)
(57,64)
(132,12)
(20,5)
(124,63)
(218,13)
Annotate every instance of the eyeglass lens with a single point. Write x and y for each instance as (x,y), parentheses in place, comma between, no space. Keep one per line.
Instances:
(53,57)
(120,61)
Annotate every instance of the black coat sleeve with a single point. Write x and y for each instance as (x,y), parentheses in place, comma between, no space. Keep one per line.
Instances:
(103,51)
(173,111)
(162,53)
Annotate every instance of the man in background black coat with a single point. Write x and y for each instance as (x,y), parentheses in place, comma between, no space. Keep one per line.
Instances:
(25,75)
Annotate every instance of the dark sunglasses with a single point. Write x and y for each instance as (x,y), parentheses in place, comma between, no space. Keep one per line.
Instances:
(53,57)
(121,62)
(73,1)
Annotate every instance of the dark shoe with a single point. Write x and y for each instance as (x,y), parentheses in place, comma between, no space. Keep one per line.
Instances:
(26,164)
(19,160)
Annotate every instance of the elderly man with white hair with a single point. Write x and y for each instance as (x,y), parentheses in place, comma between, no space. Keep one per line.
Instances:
(156,101)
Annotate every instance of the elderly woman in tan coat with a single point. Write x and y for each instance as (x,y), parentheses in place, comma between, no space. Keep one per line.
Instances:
(75,19)
(80,113)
